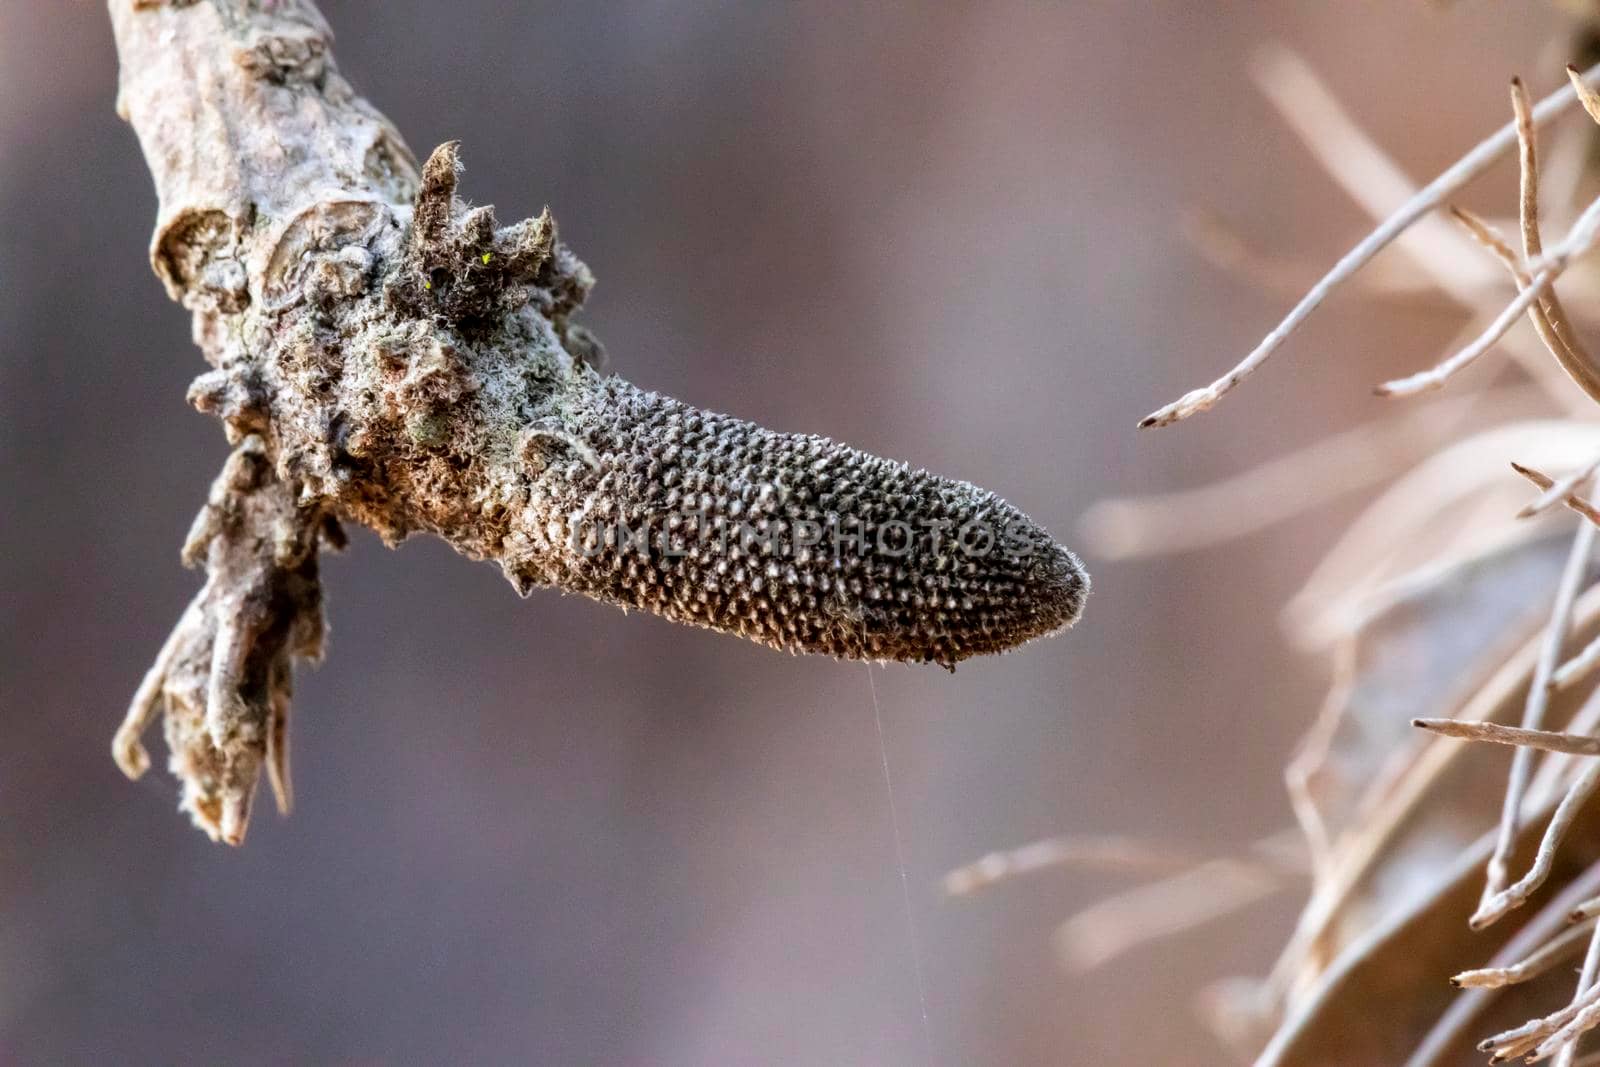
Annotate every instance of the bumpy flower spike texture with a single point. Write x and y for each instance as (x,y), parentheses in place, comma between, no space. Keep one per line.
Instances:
(385,354)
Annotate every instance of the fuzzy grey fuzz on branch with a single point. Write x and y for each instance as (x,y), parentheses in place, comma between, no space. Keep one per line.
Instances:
(384,353)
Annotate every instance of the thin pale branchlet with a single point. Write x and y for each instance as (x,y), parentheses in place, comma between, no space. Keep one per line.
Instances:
(1495,733)
(1535,272)
(1517,894)
(1552,952)
(1435,194)
(1587,977)
(1546,924)
(1548,485)
(1498,898)
(1536,293)
(1560,342)
(1560,489)
(1577,668)
(1548,316)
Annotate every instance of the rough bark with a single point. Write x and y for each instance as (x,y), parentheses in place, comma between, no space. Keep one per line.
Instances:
(384,354)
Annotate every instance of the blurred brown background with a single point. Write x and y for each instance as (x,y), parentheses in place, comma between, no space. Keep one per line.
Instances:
(545,832)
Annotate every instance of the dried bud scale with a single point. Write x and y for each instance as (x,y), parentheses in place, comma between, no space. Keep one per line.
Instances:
(386,354)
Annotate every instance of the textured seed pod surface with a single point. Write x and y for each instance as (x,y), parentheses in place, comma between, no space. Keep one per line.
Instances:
(792,540)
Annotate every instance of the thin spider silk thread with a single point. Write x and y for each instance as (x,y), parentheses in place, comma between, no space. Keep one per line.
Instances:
(900,859)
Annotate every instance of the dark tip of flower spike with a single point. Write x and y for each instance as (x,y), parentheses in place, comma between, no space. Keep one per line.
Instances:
(1061,591)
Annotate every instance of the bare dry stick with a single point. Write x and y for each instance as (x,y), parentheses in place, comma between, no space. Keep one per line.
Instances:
(1517,894)
(1555,634)
(1433,253)
(1589,978)
(1572,500)
(1566,348)
(1443,1037)
(1495,698)
(1531,967)
(1436,376)
(1587,96)
(1495,733)
(1586,1018)
(1491,239)
(1577,668)
(1557,769)
(1527,168)
(1586,982)
(1487,236)
(1430,197)
(1509,1044)
(1561,489)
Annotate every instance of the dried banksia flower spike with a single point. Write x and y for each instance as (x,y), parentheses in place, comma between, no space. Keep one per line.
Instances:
(383,353)
(794,541)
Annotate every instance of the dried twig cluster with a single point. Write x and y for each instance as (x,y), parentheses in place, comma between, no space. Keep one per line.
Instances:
(1542,270)
(1427,603)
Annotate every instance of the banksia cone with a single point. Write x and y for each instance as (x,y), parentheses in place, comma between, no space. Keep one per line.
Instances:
(794,541)
(635,499)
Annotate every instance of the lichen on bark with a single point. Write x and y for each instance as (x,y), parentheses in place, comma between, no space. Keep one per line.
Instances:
(383,353)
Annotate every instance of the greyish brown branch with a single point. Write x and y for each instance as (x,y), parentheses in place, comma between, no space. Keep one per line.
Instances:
(387,355)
